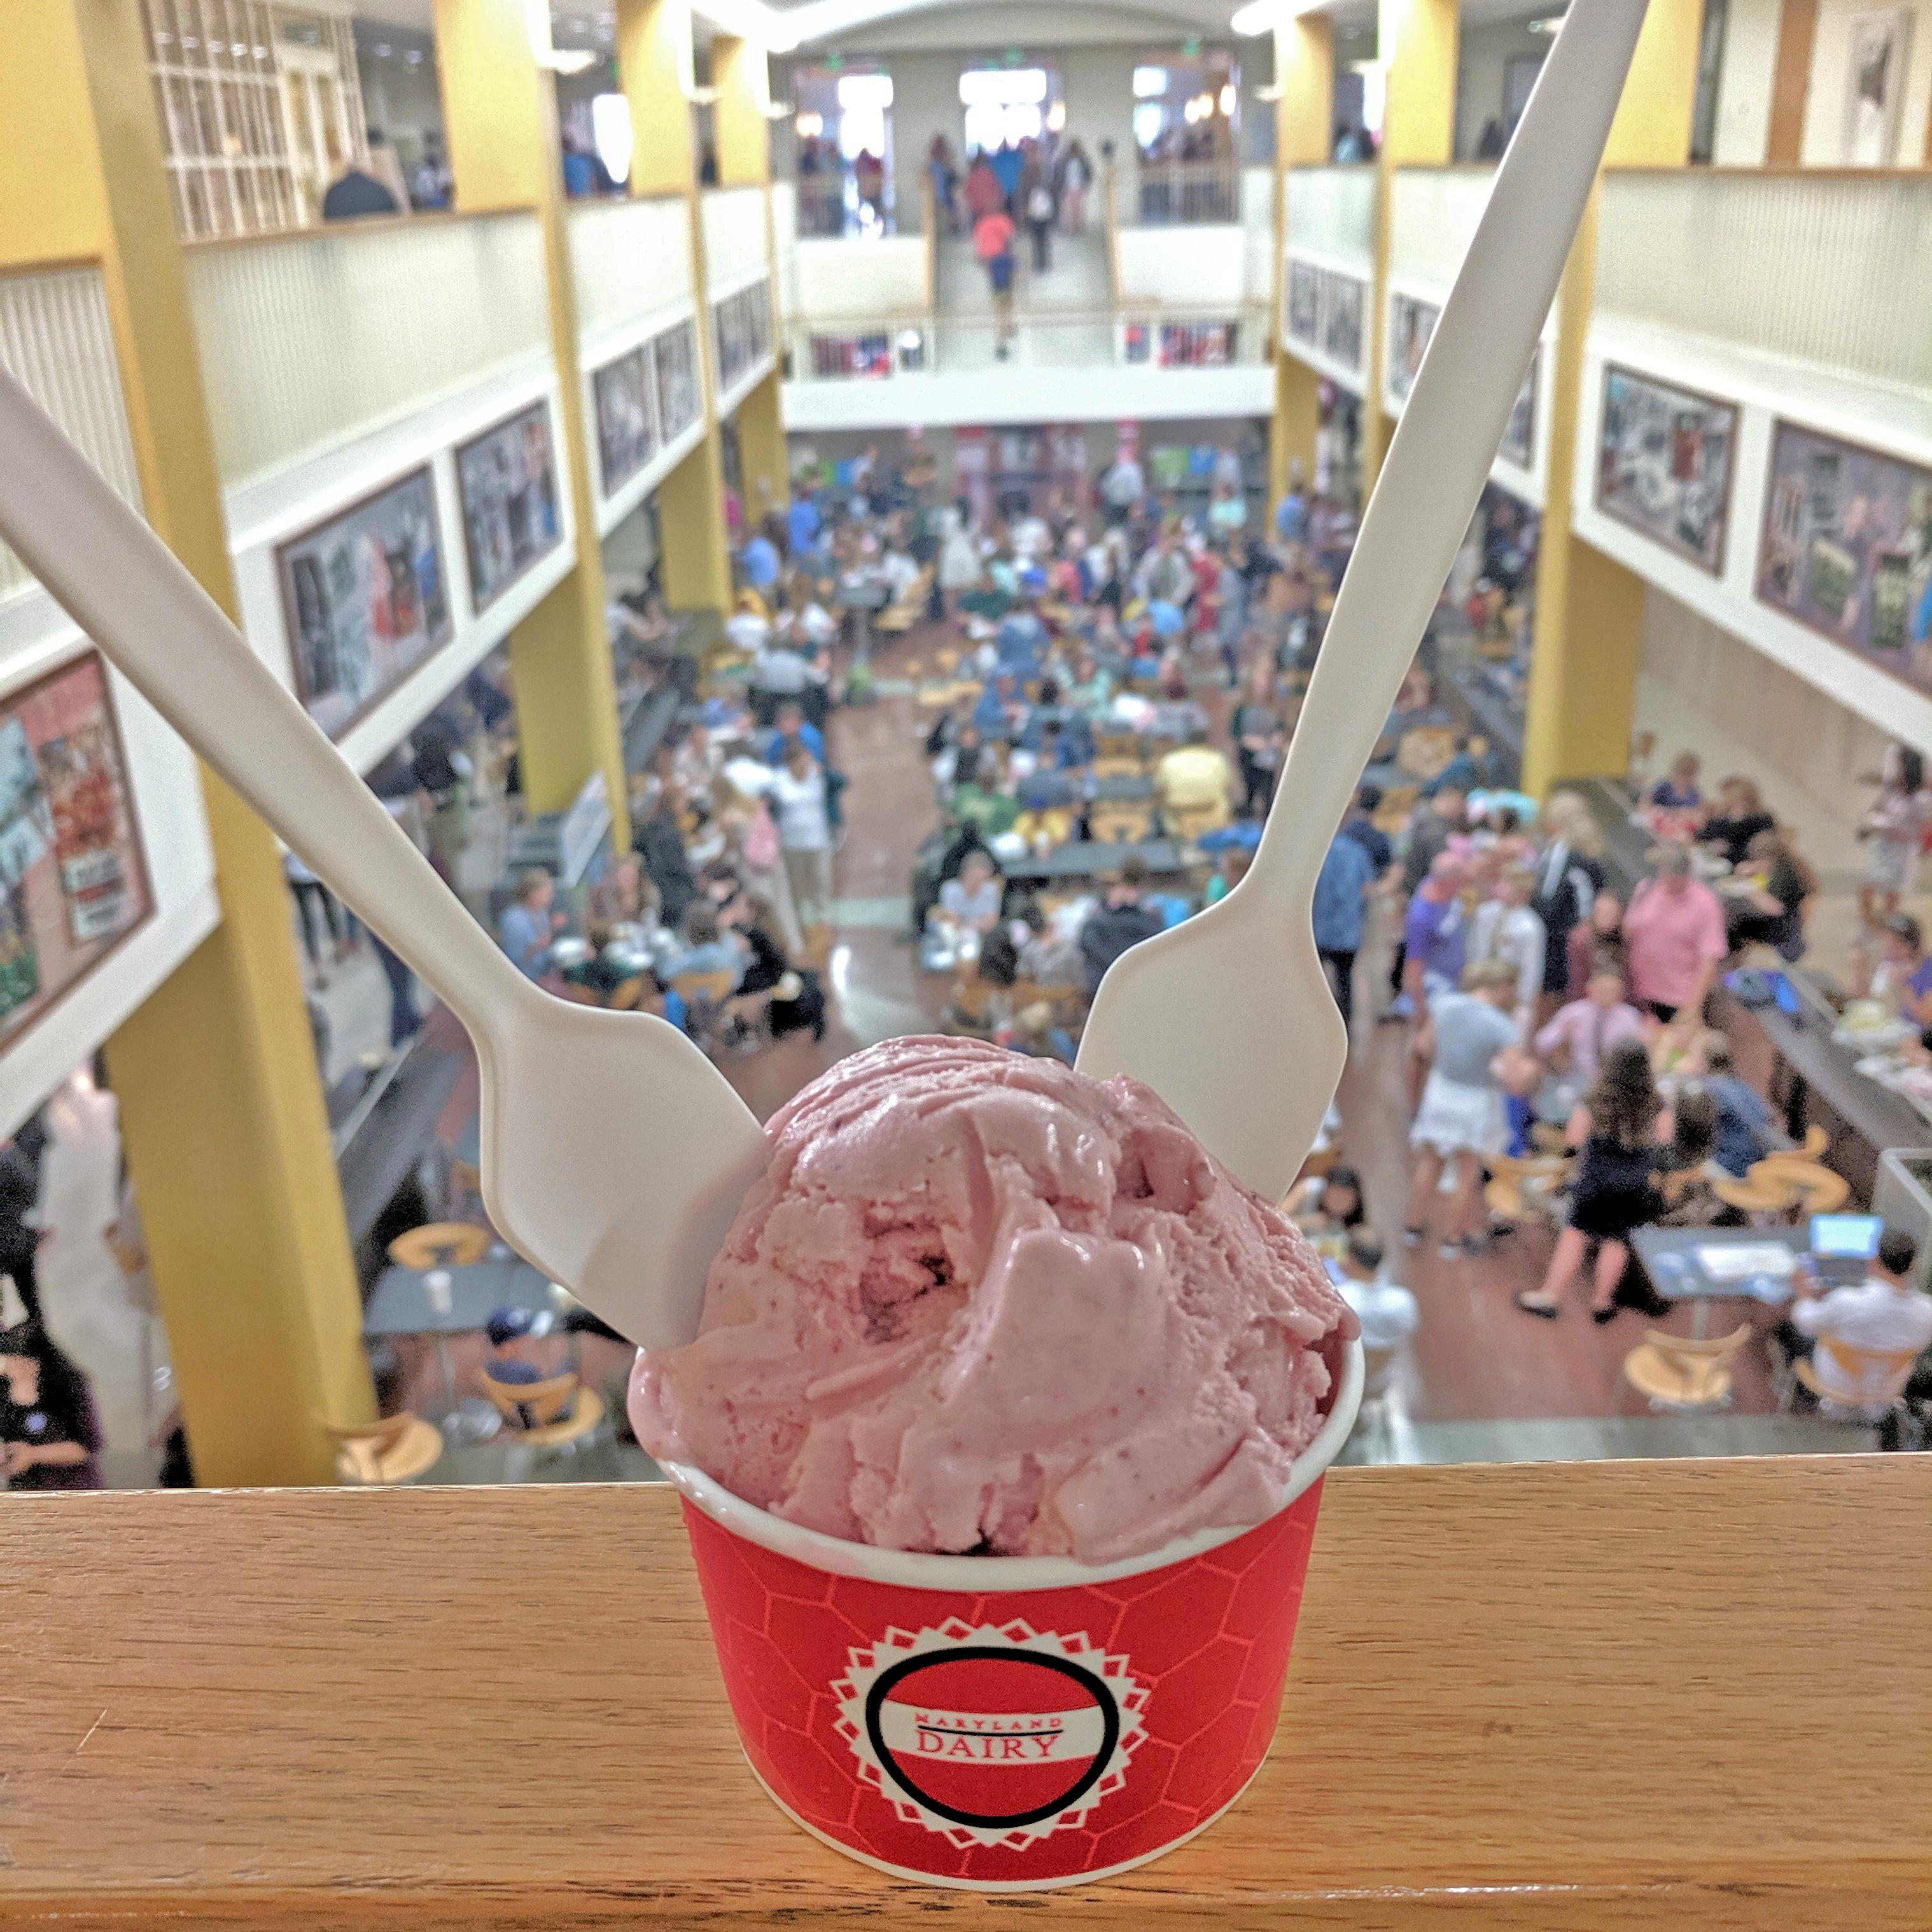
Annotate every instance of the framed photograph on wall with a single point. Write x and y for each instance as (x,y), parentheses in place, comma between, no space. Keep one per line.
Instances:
(1664,460)
(1304,297)
(506,480)
(1846,547)
(1341,318)
(73,883)
(680,402)
(623,393)
(365,598)
(1411,322)
(1519,443)
(1877,48)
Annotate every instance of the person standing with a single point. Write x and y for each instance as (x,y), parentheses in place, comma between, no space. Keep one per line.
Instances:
(983,191)
(1039,214)
(1342,890)
(1076,177)
(1261,739)
(800,802)
(1674,929)
(1895,829)
(1123,487)
(993,243)
(1568,878)
(945,179)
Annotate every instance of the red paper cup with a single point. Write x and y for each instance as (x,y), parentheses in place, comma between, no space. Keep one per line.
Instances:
(1006,1723)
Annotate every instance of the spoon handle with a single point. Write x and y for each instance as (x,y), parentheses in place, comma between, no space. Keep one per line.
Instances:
(1447,438)
(121,584)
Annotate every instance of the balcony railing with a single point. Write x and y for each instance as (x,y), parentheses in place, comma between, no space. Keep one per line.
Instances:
(306,338)
(1432,216)
(628,258)
(1168,193)
(876,349)
(830,205)
(57,341)
(1821,267)
(1331,211)
(736,243)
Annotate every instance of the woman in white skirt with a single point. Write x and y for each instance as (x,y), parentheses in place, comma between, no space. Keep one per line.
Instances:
(1470,1039)
(959,565)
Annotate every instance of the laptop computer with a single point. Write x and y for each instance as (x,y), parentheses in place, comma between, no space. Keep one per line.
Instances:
(1843,1246)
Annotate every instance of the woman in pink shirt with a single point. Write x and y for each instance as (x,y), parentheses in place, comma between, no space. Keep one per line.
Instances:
(1674,929)
(1585,1029)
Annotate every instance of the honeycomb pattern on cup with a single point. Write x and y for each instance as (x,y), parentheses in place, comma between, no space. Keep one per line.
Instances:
(987,1754)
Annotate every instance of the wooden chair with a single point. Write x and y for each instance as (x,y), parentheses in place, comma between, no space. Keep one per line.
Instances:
(705,994)
(377,1455)
(1191,822)
(1882,1371)
(1425,750)
(556,1417)
(1121,823)
(977,1005)
(440,1244)
(1126,747)
(1686,1376)
(1519,1189)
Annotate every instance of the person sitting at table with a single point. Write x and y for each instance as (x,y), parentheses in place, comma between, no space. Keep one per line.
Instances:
(1389,1314)
(1194,781)
(1678,791)
(1049,953)
(1329,1208)
(1003,711)
(1462,774)
(969,904)
(702,945)
(1020,644)
(1747,1129)
(1902,976)
(782,670)
(797,1002)
(524,1348)
(1687,1167)
(50,1433)
(1885,1313)
(530,923)
(1738,817)
(1123,919)
(1768,906)
(1090,690)
(1049,808)
(1616,1131)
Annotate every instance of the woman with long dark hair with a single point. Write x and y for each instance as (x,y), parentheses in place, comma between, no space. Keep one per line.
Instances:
(49,1437)
(1617,1127)
(1894,828)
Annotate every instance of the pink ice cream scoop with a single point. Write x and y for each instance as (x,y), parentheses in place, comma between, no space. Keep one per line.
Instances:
(980,1303)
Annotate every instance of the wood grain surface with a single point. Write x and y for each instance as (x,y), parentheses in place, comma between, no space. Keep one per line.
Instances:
(1599,1696)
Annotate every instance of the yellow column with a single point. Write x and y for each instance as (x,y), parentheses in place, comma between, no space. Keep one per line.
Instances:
(1588,636)
(761,442)
(500,107)
(1416,42)
(740,73)
(1304,72)
(654,58)
(221,1102)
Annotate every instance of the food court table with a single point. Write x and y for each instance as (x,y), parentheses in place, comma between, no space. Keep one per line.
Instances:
(1121,788)
(1537,1698)
(1670,1257)
(400,1304)
(1092,858)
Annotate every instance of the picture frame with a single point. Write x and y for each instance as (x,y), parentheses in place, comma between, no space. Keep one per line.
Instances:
(623,394)
(74,882)
(1411,322)
(1878,49)
(1343,299)
(680,399)
(1667,457)
(507,486)
(1845,548)
(1303,322)
(365,598)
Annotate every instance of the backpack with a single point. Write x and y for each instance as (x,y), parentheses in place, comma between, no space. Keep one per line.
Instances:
(1040,204)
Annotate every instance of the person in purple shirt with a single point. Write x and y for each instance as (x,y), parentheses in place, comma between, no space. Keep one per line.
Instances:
(1436,933)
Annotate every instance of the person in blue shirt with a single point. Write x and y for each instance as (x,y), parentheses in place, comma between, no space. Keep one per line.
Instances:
(1021,641)
(760,561)
(802,524)
(1341,899)
(529,924)
(1291,514)
(1001,712)
(1008,165)
(1462,773)
(1360,825)
(788,722)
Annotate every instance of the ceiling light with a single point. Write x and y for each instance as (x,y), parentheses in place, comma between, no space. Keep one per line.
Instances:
(1056,116)
(1227,101)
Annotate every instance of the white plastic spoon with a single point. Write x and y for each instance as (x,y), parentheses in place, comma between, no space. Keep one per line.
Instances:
(614,1154)
(1228,1017)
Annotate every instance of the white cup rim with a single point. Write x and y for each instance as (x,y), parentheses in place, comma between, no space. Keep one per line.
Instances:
(979,1575)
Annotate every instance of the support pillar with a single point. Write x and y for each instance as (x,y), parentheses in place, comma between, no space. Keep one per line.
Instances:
(654,58)
(1304,72)
(1588,637)
(761,442)
(500,106)
(221,1101)
(1416,41)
